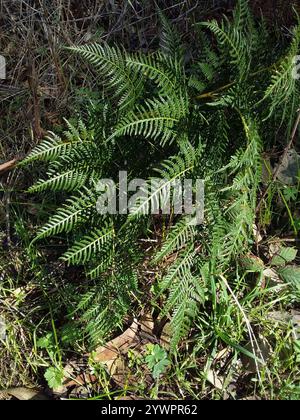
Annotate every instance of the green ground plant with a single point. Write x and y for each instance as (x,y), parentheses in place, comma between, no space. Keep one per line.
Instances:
(209,115)
(156,108)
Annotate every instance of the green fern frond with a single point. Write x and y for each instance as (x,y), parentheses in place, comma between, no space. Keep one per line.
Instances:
(246,166)
(283,86)
(170,39)
(88,247)
(178,270)
(183,315)
(54,146)
(69,216)
(112,65)
(181,234)
(156,119)
(67,181)
(234,41)
(186,294)
(153,68)
(107,261)
(48,150)
(157,190)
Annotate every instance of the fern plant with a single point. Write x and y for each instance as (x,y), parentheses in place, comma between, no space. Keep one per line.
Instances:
(208,118)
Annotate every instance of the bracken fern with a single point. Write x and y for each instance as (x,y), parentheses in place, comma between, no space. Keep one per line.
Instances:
(163,113)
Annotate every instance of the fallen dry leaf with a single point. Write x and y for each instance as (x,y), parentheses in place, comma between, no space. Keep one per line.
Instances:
(23,394)
(147,323)
(273,276)
(116,346)
(223,354)
(111,355)
(120,372)
(215,380)
(166,335)
(257,234)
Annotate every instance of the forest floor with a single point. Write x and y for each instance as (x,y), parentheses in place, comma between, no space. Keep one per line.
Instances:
(43,84)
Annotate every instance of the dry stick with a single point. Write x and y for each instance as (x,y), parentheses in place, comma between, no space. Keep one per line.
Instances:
(8,165)
(286,150)
(7,216)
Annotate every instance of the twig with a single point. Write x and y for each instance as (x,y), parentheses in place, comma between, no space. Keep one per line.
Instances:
(8,165)
(7,217)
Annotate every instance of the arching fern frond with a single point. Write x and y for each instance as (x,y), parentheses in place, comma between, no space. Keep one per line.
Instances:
(69,215)
(112,65)
(170,39)
(153,67)
(156,194)
(54,146)
(156,119)
(88,247)
(185,295)
(66,181)
(181,234)
(282,91)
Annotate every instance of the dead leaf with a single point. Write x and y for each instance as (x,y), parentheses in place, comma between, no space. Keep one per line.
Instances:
(279,316)
(82,379)
(287,318)
(273,276)
(296,323)
(222,355)
(275,247)
(215,380)
(289,168)
(147,323)
(166,336)
(257,234)
(23,394)
(116,346)
(120,372)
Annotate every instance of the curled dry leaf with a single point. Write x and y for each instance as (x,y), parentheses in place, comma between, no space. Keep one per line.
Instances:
(223,355)
(111,355)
